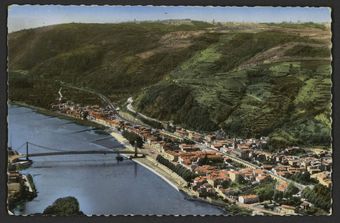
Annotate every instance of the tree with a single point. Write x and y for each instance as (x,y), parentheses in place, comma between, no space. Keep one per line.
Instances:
(133,138)
(320,196)
(203,161)
(240,179)
(278,195)
(265,193)
(291,190)
(65,206)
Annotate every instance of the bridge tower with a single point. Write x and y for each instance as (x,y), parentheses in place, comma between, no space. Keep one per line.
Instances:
(135,148)
(27,151)
(119,157)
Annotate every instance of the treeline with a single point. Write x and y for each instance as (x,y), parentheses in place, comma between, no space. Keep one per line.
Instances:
(183,172)
(133,138)
(303,178)
(320,196)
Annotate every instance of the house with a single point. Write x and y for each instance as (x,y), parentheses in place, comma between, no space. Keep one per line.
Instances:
(234,175)
(209,138)
(219,178)
(188,147)
(181,132)
(305,205)
(313,169)
(248,199)
(324,178)
(217,146)
(241,152)
(259,172)
(195,136)
(171,155)
(14,187)
(199,181)
(206,190)
(281,186)
(204,170)
(261,178)
(247,173)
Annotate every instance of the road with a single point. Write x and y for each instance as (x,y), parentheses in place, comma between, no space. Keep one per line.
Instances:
(275,176)
(129,107)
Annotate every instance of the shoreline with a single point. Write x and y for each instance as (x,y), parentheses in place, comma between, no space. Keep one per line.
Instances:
(141,161)
(152,165)
(47,112)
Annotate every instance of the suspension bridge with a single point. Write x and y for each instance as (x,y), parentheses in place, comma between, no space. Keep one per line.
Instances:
(48,151)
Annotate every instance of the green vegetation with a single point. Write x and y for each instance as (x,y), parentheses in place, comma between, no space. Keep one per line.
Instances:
(133,138)
(183,172)
(67,206)
(320,196)
(305,25)
(264,190)
(235,210)
(308,51)
(274,81)
(303,178)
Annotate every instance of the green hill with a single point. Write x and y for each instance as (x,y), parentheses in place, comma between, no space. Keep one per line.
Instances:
(249,79)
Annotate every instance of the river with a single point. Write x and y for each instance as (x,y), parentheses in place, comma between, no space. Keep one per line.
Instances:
(101,185)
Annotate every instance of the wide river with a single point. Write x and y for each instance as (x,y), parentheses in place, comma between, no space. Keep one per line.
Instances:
(101,185)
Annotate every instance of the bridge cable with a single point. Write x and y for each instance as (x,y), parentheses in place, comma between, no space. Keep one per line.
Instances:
(20,147)
(47,148)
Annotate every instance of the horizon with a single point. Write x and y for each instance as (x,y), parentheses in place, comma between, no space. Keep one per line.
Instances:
(21,17)
(155,21)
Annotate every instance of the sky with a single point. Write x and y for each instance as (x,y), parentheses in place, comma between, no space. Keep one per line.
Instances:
(31,16)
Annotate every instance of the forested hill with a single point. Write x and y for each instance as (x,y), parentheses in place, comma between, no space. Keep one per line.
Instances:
(249,79)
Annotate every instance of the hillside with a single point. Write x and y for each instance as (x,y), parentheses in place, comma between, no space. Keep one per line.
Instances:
(249,79)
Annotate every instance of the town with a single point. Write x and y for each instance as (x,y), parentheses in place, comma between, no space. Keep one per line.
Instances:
(215,167)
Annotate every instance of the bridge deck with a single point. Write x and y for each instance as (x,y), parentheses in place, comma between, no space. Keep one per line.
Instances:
(81,153)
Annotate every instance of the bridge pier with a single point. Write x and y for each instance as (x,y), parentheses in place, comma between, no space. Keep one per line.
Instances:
(135,149)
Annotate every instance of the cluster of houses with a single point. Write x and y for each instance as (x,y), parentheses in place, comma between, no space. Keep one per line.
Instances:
(83,112)
(17,183)
(205,154)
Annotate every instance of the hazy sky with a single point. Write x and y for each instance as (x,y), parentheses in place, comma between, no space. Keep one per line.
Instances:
(29,16)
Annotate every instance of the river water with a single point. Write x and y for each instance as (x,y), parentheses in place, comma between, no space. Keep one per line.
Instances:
(101,185)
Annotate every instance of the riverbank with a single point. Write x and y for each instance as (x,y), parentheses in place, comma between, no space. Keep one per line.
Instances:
(47,112)
(21,191)
(167,175)
(149,163)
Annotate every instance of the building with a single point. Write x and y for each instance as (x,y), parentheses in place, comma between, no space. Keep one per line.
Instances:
(188,147)
(248,199)
(324,178)
(234,175)
(261,178)
(282,186)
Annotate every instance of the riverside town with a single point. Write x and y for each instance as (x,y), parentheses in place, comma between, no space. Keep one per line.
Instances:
(222,170)
(169,110)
